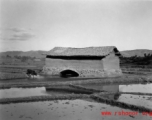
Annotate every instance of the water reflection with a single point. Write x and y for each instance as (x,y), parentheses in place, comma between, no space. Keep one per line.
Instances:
(109,88)
(67,89)
(140,100)
(62,110)
(143,88)
(22,92)
(25,92)
(114,96)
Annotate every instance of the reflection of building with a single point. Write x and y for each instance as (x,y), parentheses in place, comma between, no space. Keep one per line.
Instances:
(112,88)
(86,62)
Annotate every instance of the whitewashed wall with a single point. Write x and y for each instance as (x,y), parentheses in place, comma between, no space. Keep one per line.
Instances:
(85,68)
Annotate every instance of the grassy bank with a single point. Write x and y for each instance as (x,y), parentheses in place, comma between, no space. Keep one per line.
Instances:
(135,93)
(120,104)
(75,96)
(120,80)
(69,90)
(83,88)
(42,98)
(10,76)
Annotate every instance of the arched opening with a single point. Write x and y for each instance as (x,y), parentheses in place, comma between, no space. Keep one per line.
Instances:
(69,73)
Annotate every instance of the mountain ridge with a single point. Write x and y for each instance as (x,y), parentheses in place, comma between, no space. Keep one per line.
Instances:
(137,52)
(41,53)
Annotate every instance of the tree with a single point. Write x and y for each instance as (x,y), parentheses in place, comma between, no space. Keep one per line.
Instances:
(8,56)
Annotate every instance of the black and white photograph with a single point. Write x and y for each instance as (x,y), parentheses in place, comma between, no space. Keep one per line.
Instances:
(75,59)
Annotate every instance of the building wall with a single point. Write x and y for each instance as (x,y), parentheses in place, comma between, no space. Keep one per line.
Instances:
(111,62)
(85,68)
(82,67)
(111,65)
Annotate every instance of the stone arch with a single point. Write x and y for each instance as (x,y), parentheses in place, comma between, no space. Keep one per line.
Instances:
(69,73)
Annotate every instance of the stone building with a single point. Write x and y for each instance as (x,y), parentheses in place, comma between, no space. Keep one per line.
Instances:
(83,62)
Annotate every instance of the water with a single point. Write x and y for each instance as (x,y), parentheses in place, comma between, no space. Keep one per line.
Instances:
(64,110)
(143,88)
(26,92)
(140,100)
(22,92)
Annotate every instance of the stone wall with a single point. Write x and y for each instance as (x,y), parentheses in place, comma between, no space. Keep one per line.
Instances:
(111,65)
(85,68)
(111,62)
(82,67)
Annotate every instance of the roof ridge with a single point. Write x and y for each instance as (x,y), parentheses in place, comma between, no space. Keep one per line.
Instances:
(91,51)
(85,47)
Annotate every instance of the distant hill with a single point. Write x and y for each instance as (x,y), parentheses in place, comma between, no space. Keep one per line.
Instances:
(40,53)
(36,54)
(138,52)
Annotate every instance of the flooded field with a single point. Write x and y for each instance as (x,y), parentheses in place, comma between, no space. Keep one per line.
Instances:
(26,92)
(78,109)
(22,92)
(143,88)
(140,100)
(65,110)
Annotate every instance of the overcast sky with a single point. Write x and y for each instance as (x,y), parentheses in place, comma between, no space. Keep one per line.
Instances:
(44,24)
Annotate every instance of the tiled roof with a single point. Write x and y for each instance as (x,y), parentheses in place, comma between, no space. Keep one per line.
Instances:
(88,51)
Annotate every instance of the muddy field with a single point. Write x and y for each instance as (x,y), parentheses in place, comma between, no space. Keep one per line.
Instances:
(55,98)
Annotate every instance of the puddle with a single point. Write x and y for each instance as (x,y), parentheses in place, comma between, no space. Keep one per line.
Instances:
(64,110)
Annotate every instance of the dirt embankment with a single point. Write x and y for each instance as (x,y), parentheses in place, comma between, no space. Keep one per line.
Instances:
(41,83)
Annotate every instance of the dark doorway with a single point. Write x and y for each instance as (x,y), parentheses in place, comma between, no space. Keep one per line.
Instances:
(69,73)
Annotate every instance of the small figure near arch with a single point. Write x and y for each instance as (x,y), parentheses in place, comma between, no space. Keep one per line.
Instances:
(31,73)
